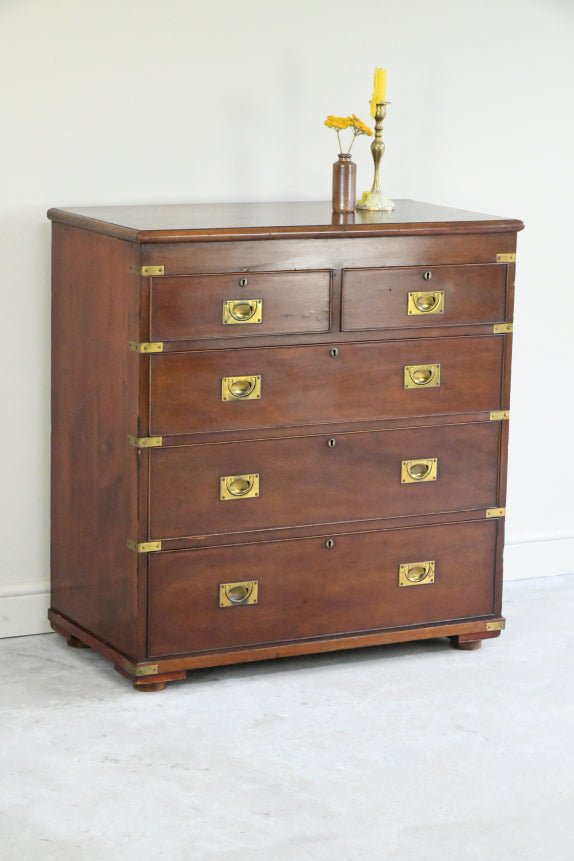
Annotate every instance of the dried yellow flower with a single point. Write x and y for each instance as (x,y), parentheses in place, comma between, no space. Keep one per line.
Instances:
(360,127)
(352,122)
(338,122)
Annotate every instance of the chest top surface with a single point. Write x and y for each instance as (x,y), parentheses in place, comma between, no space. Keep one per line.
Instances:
(218,221)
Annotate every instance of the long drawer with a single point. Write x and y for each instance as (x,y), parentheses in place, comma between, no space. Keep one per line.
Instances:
(310,588)
(275,483)
(419,296)
(240,304)
(324,383)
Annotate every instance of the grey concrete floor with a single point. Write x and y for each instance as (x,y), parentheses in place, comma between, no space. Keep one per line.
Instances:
(412,752)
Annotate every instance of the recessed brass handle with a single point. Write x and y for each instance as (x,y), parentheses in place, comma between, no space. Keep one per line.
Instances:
(416,573)
(426,302)
(238,486)
(418,471)
(235,594)
(422,469)
(241,388)
(237,311)
(421,376)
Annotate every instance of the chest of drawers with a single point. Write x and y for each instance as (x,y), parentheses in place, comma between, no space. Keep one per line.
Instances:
(275,432)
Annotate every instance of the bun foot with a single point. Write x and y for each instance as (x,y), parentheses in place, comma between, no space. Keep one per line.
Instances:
(74,643)
(465,645)
(149,687)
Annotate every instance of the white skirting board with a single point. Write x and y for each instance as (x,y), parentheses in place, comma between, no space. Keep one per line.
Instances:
(24,607)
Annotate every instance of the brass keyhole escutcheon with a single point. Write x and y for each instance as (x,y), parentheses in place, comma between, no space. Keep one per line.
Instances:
(331,442)
(243,282)
(329,543)
(427,275)
(334,352)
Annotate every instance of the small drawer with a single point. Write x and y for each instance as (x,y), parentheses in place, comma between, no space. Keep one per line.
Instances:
(312,384)
(279,483)
(240,304)
(251,594)
(418,297)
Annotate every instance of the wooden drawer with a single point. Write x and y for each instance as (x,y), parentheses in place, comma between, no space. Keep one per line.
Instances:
(307,385)
(403,297)
(216,306)
(306,480)
(307,591)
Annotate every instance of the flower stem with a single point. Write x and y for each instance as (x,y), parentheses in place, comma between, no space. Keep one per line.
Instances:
(339,139)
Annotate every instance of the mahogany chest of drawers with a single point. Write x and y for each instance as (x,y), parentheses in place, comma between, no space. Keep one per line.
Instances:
(276,431)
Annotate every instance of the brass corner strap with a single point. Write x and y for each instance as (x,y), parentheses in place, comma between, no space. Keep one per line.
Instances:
(147,271)
(502,328)
(506,258)
(499,415)
(144,546)
(146,346)
(142,670)
(145,441)
(500,625)
(496,512)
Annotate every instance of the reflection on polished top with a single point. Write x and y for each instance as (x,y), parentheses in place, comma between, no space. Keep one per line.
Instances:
(155,223)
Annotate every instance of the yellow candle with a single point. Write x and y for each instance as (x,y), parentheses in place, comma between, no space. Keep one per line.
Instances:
(379,87)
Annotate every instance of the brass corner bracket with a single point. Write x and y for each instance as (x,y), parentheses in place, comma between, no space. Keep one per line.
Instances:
(495,512)
(145,441)
(142,670)
(147,271)
(146,346)
(144,546)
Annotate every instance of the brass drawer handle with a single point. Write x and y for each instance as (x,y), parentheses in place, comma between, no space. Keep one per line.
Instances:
(426,302)
(241,388)
(416,573)
(238,486)
(423,469)
(421,376)
(235,594)
(237,311)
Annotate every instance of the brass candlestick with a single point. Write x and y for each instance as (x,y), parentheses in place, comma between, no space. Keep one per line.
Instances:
(375,199)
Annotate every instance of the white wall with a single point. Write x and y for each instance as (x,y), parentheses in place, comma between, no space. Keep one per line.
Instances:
(135,101)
